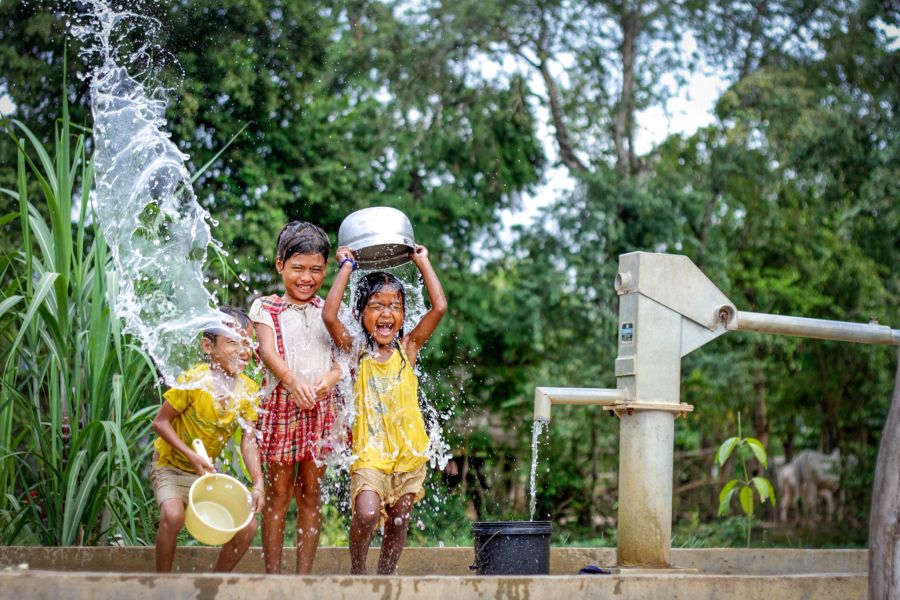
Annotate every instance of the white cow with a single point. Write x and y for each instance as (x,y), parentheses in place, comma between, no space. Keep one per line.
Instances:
(810,476)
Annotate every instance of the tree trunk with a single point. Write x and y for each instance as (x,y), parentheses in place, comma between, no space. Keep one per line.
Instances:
(566,149)
(884,529)
(624,134)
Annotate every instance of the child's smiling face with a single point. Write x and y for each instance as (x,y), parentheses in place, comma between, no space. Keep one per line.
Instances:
(383,315)
(229,352)
(303,275)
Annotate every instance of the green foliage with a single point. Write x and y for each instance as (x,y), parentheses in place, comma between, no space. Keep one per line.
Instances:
(345,106)
(745,485)
(440,518)
(787,201)
(323,139)
(74,388)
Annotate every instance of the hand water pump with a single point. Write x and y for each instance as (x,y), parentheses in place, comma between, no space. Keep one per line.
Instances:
(667,309)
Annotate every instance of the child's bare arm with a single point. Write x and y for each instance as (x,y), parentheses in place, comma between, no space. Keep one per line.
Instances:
(162,425)
(328,380)
(301,391)
(250,453)
(430,320)
(332,307)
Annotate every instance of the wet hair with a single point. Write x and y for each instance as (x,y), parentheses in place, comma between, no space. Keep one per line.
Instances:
(300,237)
(369,285)
(238,315)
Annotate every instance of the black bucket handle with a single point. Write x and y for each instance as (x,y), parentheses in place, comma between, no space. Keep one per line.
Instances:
(474,566)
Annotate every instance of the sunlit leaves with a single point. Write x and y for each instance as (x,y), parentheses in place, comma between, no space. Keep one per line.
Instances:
(725,450)
(744,485)
(725,496)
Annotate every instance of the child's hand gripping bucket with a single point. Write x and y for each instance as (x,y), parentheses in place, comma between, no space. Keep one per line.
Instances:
(218,506)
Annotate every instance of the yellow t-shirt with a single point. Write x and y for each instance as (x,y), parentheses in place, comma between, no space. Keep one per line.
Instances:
(388,429)
(203,416)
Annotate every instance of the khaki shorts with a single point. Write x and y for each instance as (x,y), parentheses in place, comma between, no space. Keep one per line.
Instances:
(169,482)
(389,486)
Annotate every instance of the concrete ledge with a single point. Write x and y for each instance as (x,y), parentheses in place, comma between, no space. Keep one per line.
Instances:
(55,585)
(437,561)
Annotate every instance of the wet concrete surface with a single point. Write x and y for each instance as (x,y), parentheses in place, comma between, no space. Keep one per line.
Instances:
(440,573)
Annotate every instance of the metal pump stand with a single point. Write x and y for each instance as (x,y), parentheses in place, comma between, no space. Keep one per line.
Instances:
(667,309)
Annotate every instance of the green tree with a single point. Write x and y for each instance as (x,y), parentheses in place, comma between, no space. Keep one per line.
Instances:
(786,203)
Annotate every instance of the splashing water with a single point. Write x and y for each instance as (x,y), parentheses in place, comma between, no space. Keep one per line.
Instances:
(340,456)
(536,430)
(157,232)
(438,450)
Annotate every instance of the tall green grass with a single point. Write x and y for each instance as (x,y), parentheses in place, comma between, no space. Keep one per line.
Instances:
(76,394)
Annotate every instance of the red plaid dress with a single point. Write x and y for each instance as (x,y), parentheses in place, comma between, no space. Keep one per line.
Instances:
(289,434)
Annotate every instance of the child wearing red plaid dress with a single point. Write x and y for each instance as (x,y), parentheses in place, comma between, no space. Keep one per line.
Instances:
(300,403)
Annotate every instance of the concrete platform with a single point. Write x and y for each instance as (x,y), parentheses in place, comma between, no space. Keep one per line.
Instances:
(89,573)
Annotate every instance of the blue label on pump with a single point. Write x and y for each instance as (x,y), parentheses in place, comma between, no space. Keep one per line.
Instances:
(627,335)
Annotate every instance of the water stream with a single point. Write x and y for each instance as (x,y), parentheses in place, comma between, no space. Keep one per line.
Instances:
(537,429)
(157,232)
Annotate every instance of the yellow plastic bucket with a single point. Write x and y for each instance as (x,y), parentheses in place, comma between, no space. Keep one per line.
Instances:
(218,506)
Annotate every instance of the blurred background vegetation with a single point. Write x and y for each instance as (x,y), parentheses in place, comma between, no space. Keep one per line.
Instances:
(457,113)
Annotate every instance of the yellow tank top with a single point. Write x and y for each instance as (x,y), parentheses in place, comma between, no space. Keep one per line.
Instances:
(388,429)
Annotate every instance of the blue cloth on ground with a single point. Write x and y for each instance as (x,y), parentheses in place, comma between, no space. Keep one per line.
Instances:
(593,570)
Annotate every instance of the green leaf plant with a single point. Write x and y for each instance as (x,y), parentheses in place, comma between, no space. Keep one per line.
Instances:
(743,487)
(76,393)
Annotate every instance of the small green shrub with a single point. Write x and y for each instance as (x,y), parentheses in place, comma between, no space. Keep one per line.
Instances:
(743,487)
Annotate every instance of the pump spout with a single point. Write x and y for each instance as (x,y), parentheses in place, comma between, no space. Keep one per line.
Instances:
(545,397)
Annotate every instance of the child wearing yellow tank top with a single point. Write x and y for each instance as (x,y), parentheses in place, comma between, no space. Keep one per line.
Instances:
(389,438)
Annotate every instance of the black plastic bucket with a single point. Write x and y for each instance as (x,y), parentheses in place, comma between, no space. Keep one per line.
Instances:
(512,547)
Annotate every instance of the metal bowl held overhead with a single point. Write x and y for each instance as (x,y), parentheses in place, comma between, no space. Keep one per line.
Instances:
(380,237)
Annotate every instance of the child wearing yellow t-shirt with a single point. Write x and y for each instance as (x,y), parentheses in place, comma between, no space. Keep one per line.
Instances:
(212,399)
